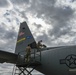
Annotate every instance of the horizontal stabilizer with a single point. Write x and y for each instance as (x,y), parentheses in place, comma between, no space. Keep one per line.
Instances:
(8,57)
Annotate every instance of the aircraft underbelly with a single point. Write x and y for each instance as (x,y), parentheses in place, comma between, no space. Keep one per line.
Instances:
(58,61)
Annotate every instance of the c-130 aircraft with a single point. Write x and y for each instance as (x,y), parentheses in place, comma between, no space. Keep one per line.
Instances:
(49,61)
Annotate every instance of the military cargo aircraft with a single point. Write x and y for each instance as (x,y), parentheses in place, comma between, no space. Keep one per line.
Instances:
(49,61)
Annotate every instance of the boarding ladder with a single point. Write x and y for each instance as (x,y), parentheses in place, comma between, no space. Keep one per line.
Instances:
(23,69)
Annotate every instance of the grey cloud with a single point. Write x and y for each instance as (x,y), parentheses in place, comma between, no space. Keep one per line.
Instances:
(72,0)
(58,17)
(37,25)
(60,31)
(62,14)
(4,3)
(62,17)
(19,2)
(40,7)
(53,14)
(22,14)
(8,36)
(49,10)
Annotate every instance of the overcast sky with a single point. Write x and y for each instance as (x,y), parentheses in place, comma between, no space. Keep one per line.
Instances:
(53,21)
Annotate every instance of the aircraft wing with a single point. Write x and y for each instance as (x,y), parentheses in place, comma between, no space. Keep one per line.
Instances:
(8,57)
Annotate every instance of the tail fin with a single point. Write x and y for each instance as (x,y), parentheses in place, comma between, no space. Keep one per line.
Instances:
(24,38)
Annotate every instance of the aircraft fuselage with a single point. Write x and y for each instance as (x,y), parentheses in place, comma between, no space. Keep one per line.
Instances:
(58,61)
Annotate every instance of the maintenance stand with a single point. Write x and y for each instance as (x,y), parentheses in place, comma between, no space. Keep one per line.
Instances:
(23,69)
